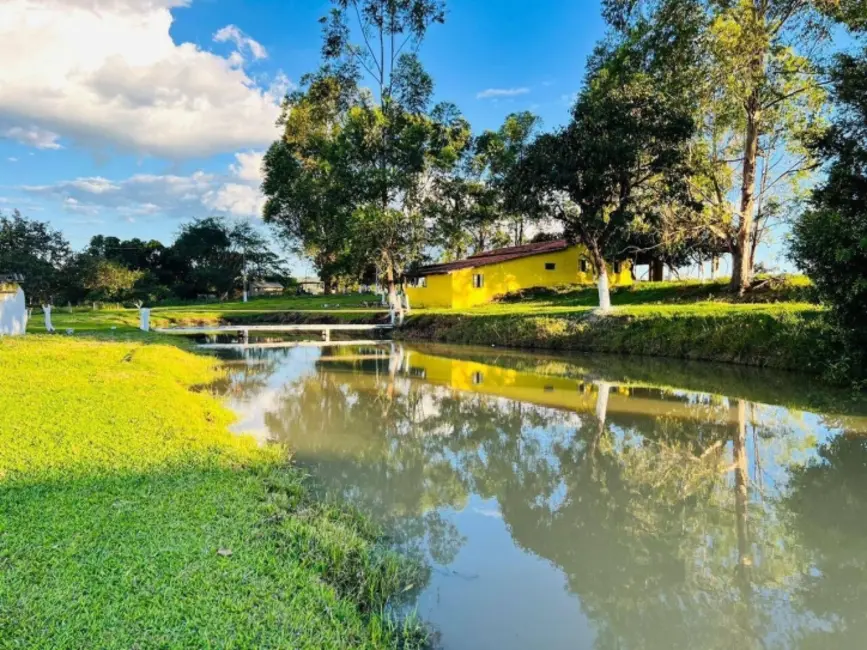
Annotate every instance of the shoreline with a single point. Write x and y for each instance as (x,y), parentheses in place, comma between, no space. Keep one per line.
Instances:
(120,482)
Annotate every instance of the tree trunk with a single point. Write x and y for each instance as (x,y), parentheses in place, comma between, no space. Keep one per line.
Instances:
(657,270)
(327,285)
(714,267)
(604,290)
(392,288)
(742,270)
(739,452)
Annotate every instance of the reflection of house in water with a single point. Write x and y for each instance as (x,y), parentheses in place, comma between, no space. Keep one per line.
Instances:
(573,394)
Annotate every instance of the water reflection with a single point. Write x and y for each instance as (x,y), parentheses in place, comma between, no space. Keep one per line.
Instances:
(572,503)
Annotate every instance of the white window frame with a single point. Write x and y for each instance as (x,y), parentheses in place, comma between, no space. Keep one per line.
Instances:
(478,280)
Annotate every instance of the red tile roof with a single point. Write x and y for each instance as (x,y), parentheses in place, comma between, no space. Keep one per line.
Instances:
(493,257)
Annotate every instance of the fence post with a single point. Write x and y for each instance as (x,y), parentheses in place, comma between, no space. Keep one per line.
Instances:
(46,309)
(144,319)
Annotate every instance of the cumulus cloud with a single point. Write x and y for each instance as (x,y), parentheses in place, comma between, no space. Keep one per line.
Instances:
(32,136)
(502,92)
(233,193)
(245,44)
(108,75)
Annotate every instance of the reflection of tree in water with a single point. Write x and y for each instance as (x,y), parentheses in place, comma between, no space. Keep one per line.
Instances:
(366,447)
(828,498)
(655,536)
(656,518)
(248,372)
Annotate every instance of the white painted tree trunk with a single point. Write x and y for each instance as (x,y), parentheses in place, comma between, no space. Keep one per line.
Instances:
(604,290)
(144,319)
(602,401)
(46,309)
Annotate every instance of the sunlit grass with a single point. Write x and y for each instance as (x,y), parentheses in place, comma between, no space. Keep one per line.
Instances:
(131,517)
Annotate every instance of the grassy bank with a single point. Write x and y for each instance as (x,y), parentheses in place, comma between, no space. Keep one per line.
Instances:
(786,336)
(131,517)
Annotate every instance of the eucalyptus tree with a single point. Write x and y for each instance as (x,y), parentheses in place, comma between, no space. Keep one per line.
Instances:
(757,66)
(391,139)
(310,197)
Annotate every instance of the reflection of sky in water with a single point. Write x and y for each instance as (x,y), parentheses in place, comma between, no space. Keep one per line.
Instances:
(575,507)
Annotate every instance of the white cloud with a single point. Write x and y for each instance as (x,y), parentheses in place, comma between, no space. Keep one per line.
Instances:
(234,193)
(12,159)
(32,136)
(108,75)
(502,92)
(231,34)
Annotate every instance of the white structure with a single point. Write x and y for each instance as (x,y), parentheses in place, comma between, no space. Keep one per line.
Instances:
(144,319)
(13,312)
(46,309)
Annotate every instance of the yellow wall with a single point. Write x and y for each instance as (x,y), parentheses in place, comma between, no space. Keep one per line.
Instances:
(455,290)
(437,293)
(573,394)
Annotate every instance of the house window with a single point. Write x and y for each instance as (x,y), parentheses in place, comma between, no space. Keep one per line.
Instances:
(418,283)
(478,281)
(550,266)
(421,373)
(584,266)
(478,378)
(617,267)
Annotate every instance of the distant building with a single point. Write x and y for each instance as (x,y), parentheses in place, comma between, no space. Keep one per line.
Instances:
(263,288)
(482,277)
(311,285)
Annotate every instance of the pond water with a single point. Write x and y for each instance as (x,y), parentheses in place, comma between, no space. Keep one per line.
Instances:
(588,502)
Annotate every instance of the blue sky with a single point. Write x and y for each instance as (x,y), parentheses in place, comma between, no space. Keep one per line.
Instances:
(102,128)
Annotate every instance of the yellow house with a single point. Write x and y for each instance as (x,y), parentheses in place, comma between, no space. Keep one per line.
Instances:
(483,276)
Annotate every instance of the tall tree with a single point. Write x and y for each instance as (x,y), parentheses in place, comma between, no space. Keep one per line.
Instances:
(498,153)
(213,255)
(35,250)
(392,139)
(622,155)
(310,196)
(757,65)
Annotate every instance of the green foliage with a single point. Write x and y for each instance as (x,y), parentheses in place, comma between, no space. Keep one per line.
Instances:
(130,516)
(345,182)
(498,155)
(212,256)
(36,251)
(622,156)
(829,240)
(787,336)
(103,279)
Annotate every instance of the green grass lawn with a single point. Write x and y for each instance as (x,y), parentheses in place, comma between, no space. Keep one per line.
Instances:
(130,517)
(651,299)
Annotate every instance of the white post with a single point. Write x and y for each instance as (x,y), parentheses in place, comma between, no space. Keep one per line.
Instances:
(406,302)
(46,309)
(144,319)
(391,315)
